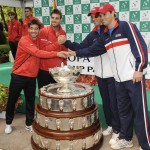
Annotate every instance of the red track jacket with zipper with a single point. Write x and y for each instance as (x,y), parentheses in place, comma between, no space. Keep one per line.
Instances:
(28,57)
(48,35)
(14,31)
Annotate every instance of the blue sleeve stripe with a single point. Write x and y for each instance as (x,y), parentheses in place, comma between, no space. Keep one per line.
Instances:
(139,47)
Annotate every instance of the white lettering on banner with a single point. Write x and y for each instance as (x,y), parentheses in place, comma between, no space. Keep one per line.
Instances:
(86,63)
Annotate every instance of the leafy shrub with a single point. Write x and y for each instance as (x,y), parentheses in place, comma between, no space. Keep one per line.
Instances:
(4,51)
(3,96)
(4,91)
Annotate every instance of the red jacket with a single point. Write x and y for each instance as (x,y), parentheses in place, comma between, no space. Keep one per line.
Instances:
(14,31)
(25,25)
(48,35)
(28,57)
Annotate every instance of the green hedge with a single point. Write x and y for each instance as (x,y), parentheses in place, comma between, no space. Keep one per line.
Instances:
(4,49)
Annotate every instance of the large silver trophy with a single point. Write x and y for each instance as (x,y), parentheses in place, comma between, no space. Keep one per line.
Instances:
(66,116)
(65,75)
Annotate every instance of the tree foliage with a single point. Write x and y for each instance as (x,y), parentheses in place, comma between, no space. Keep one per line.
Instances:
(4,18)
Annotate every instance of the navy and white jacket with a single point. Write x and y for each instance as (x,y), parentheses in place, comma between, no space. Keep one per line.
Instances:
(126,49)
(102,67)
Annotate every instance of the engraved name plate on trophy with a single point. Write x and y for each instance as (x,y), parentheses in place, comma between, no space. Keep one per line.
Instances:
(71,123)
(74,103)
(49,102)
(58,122)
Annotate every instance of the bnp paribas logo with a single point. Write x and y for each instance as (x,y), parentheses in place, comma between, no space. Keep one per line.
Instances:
(78,37)
(85,8)
(69,28)
(69,9)
(85,18)
(45,3)
(85,28)
(124,16)
(63,19)
(69,19)
(134,16)
(94,1)
(60,2)
(37,3)
(145,4)
(38,11)
(145,26)
(135,5)
(77,28)
(145,15)
(124,6)
(46,20)
(77,9)
(70,37)
(76,1)
(45,11)
(68,2)
(77,19)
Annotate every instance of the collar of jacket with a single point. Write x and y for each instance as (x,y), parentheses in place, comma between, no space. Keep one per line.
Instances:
(102,27)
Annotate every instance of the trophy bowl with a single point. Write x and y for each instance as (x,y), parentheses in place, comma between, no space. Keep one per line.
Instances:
(65,75)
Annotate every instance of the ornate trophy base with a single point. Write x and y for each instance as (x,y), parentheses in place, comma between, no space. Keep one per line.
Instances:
(66,121)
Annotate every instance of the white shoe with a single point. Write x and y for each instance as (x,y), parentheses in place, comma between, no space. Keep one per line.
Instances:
(140,148)
(108,131)
(29,128)
(122,143)
(8,129)
(114,138)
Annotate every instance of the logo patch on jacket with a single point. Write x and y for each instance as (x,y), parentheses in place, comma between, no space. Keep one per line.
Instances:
(117,35)
(94,40)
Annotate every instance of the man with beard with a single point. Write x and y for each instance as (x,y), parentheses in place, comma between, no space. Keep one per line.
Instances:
(49,36)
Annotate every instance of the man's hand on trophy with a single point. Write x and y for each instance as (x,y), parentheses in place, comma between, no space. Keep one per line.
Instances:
(62,39)
(63,54)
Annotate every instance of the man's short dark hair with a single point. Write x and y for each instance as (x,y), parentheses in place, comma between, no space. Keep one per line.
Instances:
(29,8)
(34,21)
(56,11)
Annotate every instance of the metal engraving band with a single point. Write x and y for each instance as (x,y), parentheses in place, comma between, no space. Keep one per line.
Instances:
(79,144)
(73,122)
(66,105)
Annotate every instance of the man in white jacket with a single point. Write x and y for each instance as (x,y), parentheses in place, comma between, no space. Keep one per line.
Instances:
(103,72)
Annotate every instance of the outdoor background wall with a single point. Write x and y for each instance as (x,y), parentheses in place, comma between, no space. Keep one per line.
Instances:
(77,24)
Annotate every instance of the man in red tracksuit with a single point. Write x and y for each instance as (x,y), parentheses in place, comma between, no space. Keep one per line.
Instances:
(29,17)
(50,35)
(14,33)
(24,74)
